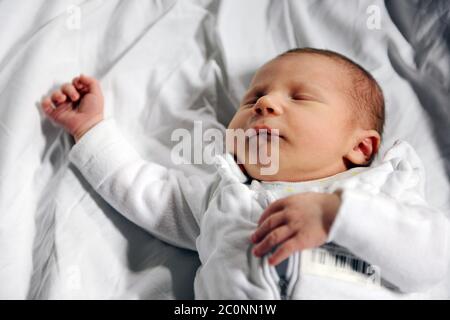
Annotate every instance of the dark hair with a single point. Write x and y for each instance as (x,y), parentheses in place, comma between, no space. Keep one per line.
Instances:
(366,93)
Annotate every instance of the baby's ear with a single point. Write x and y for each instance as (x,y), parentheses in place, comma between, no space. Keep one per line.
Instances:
(365,145)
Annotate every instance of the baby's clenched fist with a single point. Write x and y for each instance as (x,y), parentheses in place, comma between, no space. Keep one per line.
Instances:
(76,106)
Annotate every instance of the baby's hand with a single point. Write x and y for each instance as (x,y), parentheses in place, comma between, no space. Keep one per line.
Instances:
(295,223)
(76,106)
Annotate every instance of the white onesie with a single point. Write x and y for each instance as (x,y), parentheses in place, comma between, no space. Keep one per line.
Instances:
(386,242)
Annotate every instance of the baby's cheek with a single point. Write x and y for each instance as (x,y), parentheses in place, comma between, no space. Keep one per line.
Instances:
(311,148)
(326,134)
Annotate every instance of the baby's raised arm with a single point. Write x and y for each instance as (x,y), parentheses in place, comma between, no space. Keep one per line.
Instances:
(164,202)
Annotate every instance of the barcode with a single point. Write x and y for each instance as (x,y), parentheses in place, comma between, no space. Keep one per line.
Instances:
(337,262)
(343,261)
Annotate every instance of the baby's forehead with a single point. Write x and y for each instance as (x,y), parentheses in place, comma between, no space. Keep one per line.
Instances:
(305,68)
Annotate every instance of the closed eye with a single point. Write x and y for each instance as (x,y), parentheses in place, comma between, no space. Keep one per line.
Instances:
(253,96)
(249,103)
(302,97)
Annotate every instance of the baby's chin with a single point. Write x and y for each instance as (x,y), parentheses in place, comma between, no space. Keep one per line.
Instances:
(267,172)
(286,174)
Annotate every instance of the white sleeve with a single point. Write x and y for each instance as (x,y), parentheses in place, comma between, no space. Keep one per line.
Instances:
(407,241)
(162,201)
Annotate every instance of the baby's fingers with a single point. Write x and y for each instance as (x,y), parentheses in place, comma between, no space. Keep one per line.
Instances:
(284,251)
(272,222)
(78,84)
(87,84)
(47,106)
(273,239)
(272,208)
(58,97)
(70,91)
(60,114)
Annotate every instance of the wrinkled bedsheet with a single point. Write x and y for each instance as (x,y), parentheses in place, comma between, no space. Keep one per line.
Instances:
(162,65)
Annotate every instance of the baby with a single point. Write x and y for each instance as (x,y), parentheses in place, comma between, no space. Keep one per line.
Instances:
(324,225)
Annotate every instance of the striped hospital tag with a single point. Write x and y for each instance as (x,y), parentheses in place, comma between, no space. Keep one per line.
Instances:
(336,262)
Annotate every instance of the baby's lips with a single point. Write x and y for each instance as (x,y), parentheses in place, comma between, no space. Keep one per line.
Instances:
(260,130)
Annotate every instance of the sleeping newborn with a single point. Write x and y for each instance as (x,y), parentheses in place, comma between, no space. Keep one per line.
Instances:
(328,110)
(325,224)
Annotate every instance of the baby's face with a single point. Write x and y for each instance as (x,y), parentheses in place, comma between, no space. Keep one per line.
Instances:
(304,97)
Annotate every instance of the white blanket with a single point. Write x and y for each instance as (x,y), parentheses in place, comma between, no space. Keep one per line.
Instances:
(162,64)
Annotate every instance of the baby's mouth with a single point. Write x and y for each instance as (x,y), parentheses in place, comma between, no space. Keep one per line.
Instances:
(261,130)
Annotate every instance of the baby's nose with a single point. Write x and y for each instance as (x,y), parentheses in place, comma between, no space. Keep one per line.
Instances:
(266,106)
